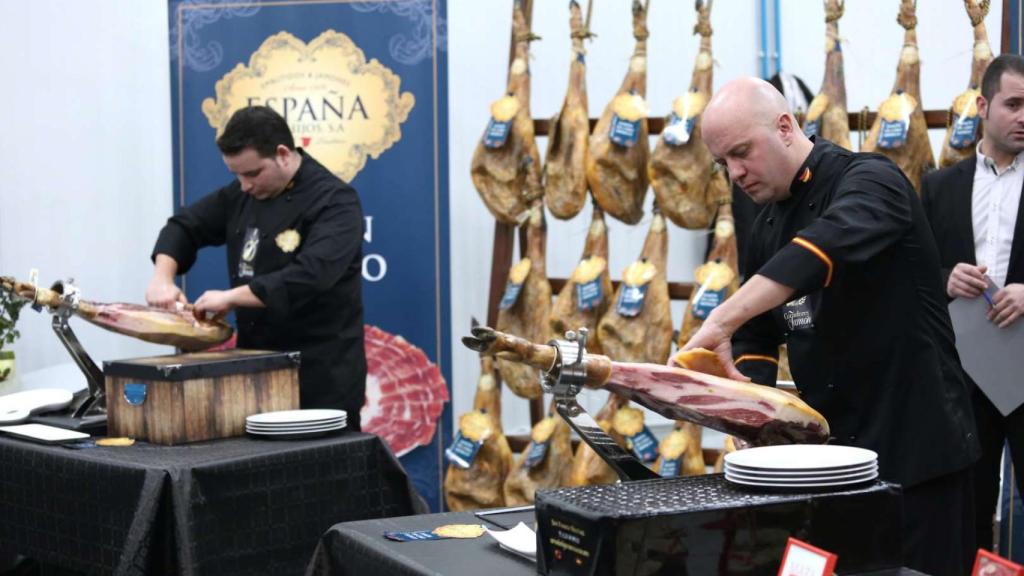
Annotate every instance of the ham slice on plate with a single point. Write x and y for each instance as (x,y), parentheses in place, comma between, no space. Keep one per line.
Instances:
(405,392)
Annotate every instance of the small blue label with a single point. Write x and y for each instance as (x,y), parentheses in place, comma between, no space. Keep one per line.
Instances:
(671,468)
(893,134)
(508,300)
(624,132)
(631,300)
(812,128)
(965,131)
(497,133)
(135,393)
(462,451)
(708,301)
(644,445)
(412,536)
(678,131)
(589,295)
(536,454)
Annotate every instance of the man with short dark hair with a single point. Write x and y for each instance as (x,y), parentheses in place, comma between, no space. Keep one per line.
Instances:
(975,215)
(842,267)
(293,232)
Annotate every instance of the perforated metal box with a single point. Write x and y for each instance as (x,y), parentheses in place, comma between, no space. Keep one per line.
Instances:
(704,525)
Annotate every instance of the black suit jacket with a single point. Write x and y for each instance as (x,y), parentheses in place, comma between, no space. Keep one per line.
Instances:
(946,195)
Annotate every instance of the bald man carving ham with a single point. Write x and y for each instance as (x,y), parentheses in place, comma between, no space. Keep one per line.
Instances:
(844,270)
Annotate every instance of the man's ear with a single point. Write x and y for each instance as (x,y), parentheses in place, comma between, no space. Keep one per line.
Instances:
(982,104)
(785,124)
(282,153)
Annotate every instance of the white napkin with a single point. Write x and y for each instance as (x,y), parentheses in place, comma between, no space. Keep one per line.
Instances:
(520,540)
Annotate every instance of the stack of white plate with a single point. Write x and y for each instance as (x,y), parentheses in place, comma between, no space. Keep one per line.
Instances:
(291,424)
(801,466)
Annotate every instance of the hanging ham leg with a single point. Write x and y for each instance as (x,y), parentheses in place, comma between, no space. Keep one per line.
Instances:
(588,469)
(549,471)
(482,484)
(565,178)
(177,327)
(570,312)
(506,163)
(759,414)
(900,131)
(644,336)
(681,166)
(827,115)
(717,279)
(617,159)
(965,129)
(528,312)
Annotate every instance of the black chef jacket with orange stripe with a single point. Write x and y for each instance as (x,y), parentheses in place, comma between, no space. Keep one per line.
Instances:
(870,341)
(301,254)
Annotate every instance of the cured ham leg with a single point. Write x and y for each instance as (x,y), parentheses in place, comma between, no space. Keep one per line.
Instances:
(717,280)
(759,414)
(526,306)
(482,484)
(638,326)
(827,116)
(565,177)
(617,159)
(506,163)
(586,295)
(965,129)
(900,131)
(686,185)
(544,463)
(178,327)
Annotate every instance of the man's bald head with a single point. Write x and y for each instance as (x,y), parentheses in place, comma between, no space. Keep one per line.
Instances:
(748,128)
(756,100)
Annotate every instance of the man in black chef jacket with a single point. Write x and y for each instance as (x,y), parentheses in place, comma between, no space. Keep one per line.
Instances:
(845,271)
(294,245)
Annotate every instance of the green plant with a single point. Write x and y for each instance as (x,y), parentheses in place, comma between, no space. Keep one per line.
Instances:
(10,309)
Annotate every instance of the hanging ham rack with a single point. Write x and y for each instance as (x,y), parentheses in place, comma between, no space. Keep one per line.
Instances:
(504,234)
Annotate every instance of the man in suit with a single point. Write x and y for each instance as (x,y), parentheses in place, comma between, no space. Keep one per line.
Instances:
(973,208)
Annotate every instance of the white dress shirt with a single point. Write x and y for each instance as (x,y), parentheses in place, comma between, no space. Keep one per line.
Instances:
(994,205)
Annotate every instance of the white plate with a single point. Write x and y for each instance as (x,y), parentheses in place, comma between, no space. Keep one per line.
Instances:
(17,407)
(824,484)
(295,416)
(295,435)
(802,479)
(338,426)
(801,457)
(801,473)
(43,433)
(294,426)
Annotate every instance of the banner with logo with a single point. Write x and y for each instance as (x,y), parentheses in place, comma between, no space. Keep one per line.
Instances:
(363,87)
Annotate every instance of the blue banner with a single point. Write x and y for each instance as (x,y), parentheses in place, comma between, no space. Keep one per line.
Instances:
(363,87)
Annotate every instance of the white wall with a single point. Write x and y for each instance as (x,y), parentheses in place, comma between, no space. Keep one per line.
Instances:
(478,57)
(85,158)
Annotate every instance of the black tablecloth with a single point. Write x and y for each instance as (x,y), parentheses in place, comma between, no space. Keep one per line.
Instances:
(235,506)
(360,549)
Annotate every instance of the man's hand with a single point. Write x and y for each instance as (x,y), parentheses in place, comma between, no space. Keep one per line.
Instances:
(966,281)
(712,336)
(164,294)
(1007,305)
(214,303)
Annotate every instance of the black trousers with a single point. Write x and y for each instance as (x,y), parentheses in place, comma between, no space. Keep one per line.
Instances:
(938,525)
(993,430)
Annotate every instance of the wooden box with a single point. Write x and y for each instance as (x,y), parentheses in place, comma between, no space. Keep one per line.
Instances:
(200,396)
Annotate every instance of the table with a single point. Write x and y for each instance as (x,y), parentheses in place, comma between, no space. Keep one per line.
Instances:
(360,549)
(233,506)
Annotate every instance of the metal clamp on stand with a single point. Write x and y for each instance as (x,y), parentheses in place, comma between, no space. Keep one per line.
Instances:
(95,402)
(565,380)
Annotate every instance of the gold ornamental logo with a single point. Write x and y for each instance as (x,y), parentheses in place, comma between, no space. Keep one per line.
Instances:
(340,107)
